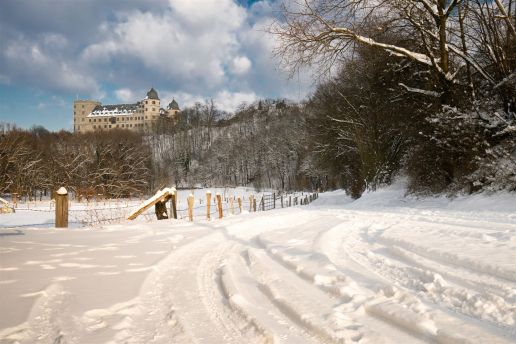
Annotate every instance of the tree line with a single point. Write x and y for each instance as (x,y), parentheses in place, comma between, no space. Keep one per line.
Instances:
(36,162)
(425,88)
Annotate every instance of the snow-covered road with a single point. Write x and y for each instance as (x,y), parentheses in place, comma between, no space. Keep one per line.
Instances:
(335,271)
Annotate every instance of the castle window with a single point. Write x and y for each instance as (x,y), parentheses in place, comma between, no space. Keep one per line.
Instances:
(146,109)
(105,119)
(153,102)
(83,106)
(89,120)
(110,125)
(153,109)
(146,102)
(94,127)
(122,125)
(117,125)
(105,126)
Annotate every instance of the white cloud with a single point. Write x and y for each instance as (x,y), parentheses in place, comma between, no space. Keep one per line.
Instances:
(36,62)
(125,95)
(201,14)
(224,100)
(240,65)
(192,44)
(229,101)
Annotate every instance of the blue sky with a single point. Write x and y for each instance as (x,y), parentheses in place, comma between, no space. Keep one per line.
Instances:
(54,51)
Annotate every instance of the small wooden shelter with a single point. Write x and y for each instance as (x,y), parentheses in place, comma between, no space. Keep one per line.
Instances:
(159,200)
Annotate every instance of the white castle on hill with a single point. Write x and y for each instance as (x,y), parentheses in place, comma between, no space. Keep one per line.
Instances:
(91,115)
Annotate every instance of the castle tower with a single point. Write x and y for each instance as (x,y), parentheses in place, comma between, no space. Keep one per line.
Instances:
(173,109)
(151,106)
(81,109)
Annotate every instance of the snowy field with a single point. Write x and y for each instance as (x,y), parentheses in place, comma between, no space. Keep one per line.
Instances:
(383,269)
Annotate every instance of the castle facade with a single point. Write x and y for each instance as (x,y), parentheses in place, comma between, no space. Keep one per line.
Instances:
(90,115)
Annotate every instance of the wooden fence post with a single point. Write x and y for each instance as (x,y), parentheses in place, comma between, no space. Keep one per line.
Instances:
(15,199)
(251,203)
(262,203)
(289,201)
(208,204)
(231,200)
(306,200)
(191,200)
(62,208)
(254,204)
(240,204)
(173,203)
(274,198)
(282,201)
(219,203)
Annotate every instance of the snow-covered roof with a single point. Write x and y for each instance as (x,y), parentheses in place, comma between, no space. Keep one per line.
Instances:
(114,110)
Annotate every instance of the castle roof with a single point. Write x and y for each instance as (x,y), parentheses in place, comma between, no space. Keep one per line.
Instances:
(114,110)
(173,105)
(152,94)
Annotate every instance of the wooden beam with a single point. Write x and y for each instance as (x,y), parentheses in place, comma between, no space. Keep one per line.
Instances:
(158,197)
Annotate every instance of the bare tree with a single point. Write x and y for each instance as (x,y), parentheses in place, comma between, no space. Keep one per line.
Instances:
(324,32)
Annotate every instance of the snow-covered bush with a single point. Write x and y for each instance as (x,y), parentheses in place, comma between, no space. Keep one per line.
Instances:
(470,150)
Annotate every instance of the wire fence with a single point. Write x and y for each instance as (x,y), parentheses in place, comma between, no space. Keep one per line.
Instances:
(104,213)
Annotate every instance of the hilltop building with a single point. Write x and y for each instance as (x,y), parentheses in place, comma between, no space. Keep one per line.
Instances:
(90,115)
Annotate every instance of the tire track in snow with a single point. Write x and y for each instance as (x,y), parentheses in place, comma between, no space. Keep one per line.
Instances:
(196,293)
(449,258)
(362,252)
(332,319)
(245,297)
